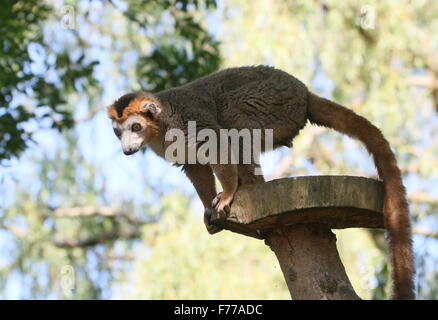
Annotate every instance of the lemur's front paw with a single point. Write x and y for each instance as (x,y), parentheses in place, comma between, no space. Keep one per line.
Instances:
(212,229)
(222,203)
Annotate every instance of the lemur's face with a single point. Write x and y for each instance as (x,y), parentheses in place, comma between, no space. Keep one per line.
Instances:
(134,121)
(132,133)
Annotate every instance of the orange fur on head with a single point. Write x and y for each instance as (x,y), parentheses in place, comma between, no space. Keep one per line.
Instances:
(134,107)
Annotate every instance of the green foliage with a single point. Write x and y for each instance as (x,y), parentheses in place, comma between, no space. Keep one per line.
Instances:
(59,67)
(185,262)
(182,52)
(26,93)
(364,263)
(36,77)
(379,59)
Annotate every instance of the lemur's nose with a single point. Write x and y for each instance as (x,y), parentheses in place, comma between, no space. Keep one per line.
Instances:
(129,151)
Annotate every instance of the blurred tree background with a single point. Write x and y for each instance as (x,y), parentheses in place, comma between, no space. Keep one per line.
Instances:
(79,220)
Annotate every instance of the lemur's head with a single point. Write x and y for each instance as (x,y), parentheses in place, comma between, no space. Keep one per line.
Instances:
(134,118)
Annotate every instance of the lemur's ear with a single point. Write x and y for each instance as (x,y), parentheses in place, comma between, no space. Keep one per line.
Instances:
(151,109)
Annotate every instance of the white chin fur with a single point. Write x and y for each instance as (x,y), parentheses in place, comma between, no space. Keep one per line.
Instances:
(131,141)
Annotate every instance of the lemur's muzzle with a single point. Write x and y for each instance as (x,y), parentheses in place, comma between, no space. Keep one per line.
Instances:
(130,151)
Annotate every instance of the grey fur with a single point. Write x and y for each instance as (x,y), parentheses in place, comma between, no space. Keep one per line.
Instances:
(248,97)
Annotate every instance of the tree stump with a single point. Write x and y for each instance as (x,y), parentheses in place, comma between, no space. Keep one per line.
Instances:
(295,217)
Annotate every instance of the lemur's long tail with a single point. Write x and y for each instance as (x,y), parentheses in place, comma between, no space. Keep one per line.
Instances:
(326,113)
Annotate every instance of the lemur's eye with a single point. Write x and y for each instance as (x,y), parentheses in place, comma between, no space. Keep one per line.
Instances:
(117,132)
(136,127)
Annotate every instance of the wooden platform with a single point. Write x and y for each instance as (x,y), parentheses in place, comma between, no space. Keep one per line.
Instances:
(336,201)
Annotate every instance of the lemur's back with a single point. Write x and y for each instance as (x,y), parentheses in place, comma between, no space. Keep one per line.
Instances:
(228,80)
(247,97)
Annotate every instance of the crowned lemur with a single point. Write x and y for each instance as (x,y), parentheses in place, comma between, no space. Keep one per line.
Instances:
(260,98)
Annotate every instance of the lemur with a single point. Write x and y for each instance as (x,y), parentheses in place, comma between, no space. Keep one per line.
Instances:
(261,97)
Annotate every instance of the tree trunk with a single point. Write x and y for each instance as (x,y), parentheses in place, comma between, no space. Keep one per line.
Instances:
(310,262)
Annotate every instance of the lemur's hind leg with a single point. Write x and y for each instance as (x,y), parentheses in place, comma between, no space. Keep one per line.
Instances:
(227,176)
(203,180)
(247,177)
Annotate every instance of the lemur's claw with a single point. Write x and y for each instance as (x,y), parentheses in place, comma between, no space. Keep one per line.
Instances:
(212,229)
(222,205)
